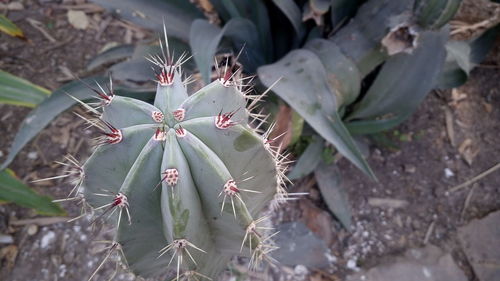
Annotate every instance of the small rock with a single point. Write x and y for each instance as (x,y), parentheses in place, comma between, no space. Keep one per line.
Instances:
(300,270)
(448,173)
(32,155)
(78,19)
(387,203)
(32,229)
(410,169)
(427,264)
(298,245)
(6,239)
(480,240)
(1,153)
(47,239)
(352,265)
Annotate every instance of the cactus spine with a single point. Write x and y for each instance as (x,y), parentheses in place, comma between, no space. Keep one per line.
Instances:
(185,179)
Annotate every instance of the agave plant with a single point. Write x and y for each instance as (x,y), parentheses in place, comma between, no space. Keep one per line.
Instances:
(184,179)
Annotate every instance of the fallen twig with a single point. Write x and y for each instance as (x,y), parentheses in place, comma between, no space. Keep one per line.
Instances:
(39,221)
(476,178)
(38,26)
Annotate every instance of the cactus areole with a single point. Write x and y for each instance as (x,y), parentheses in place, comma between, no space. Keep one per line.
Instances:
(185,179)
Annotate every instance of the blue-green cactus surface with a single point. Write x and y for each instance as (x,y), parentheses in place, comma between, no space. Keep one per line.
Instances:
(185,179)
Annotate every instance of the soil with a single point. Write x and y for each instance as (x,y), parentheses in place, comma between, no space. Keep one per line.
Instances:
(416,165)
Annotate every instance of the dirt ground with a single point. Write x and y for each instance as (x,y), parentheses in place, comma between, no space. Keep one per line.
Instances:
(451,138)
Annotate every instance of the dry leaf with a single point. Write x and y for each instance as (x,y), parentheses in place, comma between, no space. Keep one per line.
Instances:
(468,151)
(8,256)
(282,133)
(449,125)
(78,19)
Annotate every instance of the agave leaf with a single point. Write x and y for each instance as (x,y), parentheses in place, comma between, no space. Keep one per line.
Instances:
(52,106)
(481,45)
(111,55)
(364,127)
(205,38)
(17,91)
(463,56)
(396,92)
(343,10)
(309,160)
(457,65)
(360,40)
(256,11)
(333,192)
(136,70)
(293,13)
(177,15)
(10,28)
(320,6)
(45,112)
(13,190)
(231,8)
(433,14)
(304,86)
(343,75)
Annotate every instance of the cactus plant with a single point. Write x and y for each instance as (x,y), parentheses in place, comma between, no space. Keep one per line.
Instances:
(183,180)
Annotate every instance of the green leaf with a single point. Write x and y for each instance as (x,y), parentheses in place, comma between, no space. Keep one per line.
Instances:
(256,11)
(320,6)
(463,56)
(457,65)
(364,127)
(13,190)
(177,15)
(433,14)
(205,38)
(297,127)
(333,192)
(10,28)
(304,86)
(343,75)
(360,40)
(55,104)
(17,91)
(46,111)
(405,79)
(293,13)
(112,55)
(231,8)
(343,10)
(309,160)
(481,45)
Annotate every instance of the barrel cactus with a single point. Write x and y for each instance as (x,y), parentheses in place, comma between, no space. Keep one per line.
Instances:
(183,180)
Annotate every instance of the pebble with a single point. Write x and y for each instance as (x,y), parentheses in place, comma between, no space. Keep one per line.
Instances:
(32,229)
(6,239)
(351,264)
(47,239)
(300,270)
(448,173)
(410,169)
(32,155)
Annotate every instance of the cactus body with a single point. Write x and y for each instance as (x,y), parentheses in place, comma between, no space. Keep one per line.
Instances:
(185,178)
